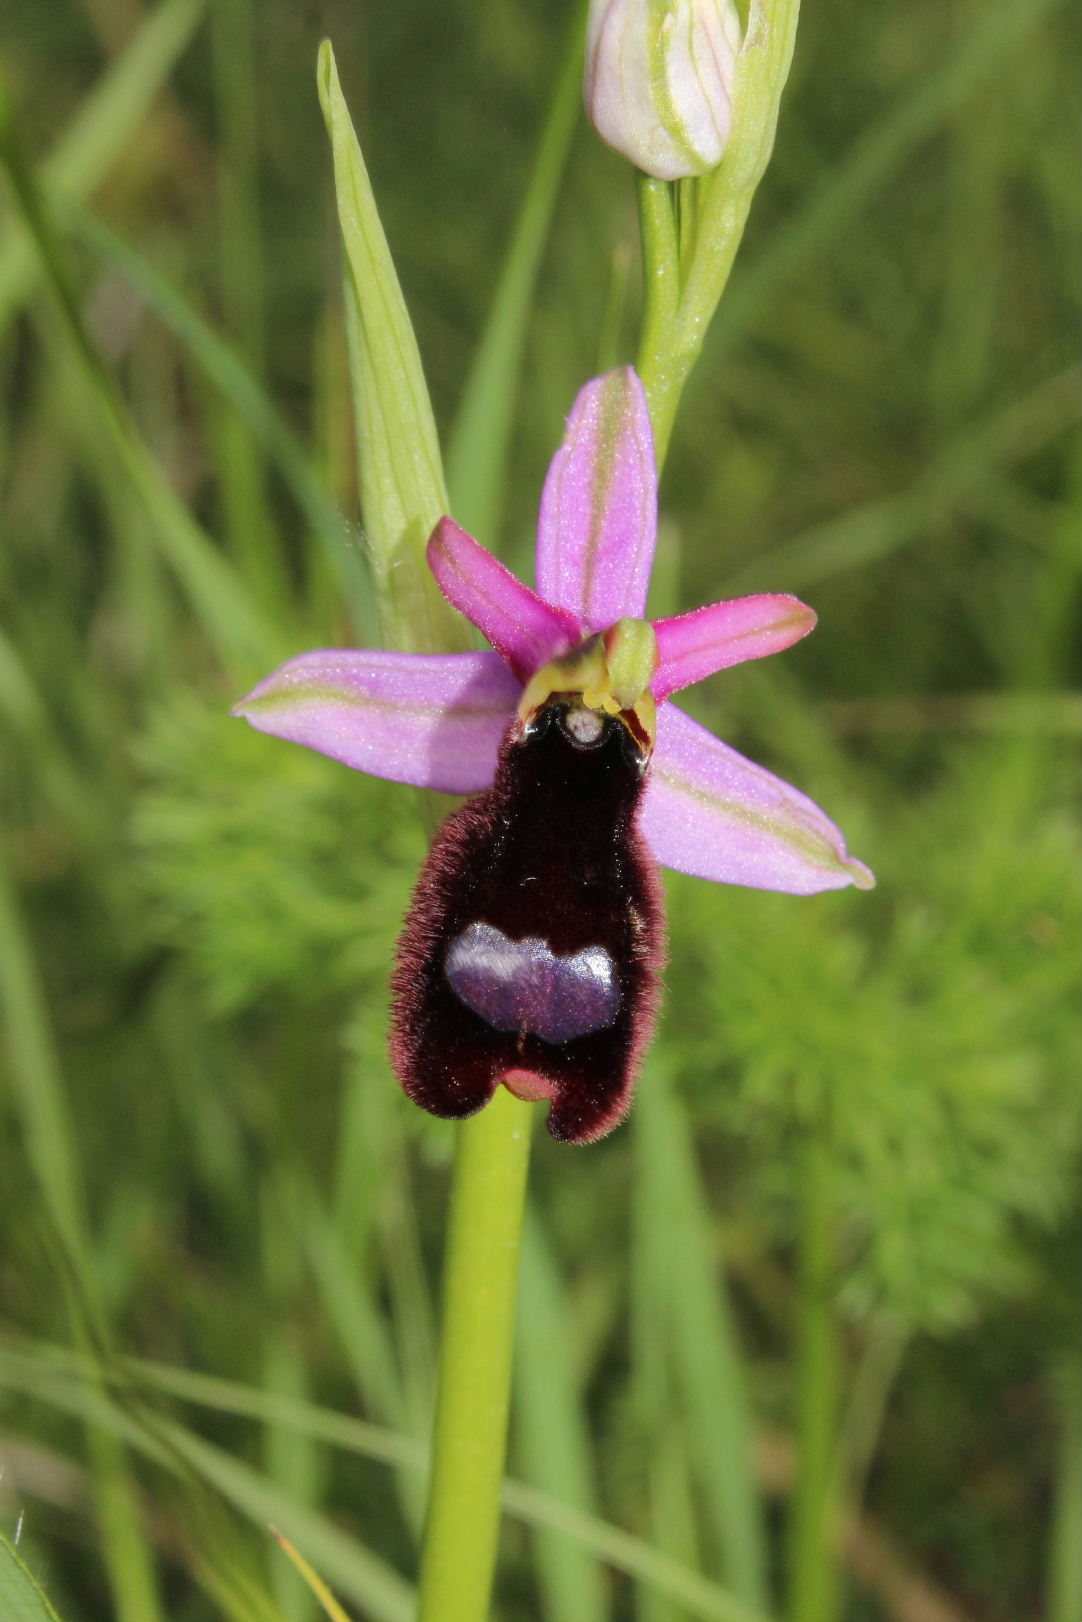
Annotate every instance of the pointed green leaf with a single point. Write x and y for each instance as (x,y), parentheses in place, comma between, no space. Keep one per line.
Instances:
(22,1599)
(401,475)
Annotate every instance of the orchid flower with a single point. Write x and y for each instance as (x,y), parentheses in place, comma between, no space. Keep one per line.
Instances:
(532,951)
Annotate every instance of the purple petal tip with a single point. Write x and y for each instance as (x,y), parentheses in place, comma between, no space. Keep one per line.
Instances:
(525,631)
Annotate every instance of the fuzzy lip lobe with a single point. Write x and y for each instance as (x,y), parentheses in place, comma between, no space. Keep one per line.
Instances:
(533,943)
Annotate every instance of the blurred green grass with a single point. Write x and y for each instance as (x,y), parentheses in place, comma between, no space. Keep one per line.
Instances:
(205,1163)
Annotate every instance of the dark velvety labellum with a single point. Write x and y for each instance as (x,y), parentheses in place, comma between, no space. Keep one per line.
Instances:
(534,941)
(524,986)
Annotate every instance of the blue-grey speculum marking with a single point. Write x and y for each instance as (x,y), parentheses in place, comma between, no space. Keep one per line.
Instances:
(525,986)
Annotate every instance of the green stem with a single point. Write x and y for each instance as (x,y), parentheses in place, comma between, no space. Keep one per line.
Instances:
(661,289)
(813,1561)
(480,1282)
(715,211)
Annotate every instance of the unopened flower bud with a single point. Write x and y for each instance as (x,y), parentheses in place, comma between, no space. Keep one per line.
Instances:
(659,79)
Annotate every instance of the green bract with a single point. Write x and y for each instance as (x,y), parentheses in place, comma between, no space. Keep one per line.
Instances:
(398,455)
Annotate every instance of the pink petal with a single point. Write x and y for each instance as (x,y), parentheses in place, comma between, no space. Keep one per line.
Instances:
(524,630)
(693,646)
(435,720)
(598,521)
(708,811)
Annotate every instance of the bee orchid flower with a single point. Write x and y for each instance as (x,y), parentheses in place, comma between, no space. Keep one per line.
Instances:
(532,951)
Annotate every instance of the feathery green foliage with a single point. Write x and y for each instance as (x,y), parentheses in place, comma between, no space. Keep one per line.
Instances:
(205,1161)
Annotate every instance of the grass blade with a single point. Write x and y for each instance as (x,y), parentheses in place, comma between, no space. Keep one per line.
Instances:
(251,534)
(480,442)
(40,1100)
(362,1331)
(814,1566)
(35,1081)
(314,1581)
(1064,1570)
(550,1430)
(293,1461)
(219,598)
(22,1599)
(995,34)
(706,1357)
(354,1570)
(51,1374)
(966,465)
(102,130)
(366,1579)
(234,379)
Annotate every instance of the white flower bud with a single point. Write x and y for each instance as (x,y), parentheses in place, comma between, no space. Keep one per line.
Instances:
(659,79)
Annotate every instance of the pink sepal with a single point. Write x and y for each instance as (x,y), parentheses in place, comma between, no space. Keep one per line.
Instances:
(524,630)
(708,811)
(434,720)
(598,520)
(693,646)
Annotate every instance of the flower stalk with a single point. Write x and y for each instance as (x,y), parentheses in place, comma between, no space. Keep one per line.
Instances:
(479,1293)
(706,216)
